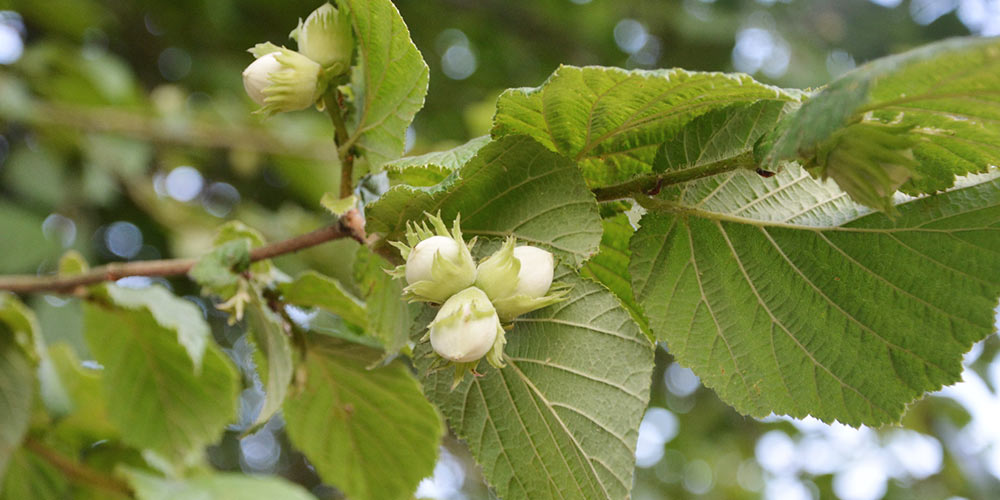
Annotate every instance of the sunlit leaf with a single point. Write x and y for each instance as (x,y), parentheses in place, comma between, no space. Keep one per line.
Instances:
(158,399)
(217,486)
(389,83)
(370,433)
(612,121)
(170,312)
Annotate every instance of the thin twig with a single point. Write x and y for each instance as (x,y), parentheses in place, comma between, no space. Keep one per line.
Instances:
(77,471)
(332,103)
(351,225)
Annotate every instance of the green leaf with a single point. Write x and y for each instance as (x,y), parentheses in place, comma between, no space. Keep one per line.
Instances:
(784,296)
(170,313)
(30,477)
(561,419)
(610,267)
(338,206)
(235,230)
(86,419)
(512,186)
(389,82)
(388,315)
(432,168)
(370,433)
(217,486)
(21,325)
(942,101)
(17,388)
(217,270)
(718,135)
(275,365)
(612,121)
(159,400)
(71,263)
(312,289)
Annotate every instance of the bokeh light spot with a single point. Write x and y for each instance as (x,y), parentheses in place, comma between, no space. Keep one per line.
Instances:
(183,183)
(123,239)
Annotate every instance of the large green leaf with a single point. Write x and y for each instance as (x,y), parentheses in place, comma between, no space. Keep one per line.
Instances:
(30,477)
(157,398)
(171,313)
(17,388)
(612,121)
(785,296)
(940,105)
(561,419)
(610,266)
(20,344)
(512,186)
(312,289)
(274,355)
(370,433)
(218,486)
(389,83)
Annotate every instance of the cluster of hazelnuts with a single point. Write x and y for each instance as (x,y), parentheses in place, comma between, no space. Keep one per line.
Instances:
(282,80)
(477,301)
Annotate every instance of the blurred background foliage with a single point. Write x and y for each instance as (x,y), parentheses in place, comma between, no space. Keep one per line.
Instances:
(125,134)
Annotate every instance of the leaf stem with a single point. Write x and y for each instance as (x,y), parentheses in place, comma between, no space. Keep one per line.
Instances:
(351,225)
(77,471)
(332,103)
(649,184)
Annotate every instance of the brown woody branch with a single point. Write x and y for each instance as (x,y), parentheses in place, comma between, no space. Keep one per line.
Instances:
(351,225)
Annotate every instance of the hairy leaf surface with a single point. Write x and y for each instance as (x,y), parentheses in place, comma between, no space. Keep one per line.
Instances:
(561,419)
(612,121)
(370,433)
(940,105)
(785,296)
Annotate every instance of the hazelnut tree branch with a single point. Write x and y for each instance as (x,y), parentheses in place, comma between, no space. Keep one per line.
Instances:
(197,133)
(351,225)
(332,103)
